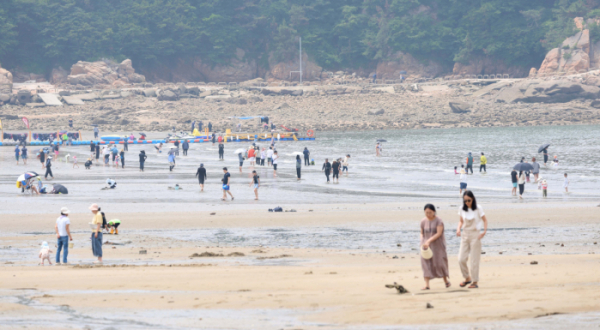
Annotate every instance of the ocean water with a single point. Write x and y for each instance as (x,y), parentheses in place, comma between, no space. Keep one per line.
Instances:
(417,165)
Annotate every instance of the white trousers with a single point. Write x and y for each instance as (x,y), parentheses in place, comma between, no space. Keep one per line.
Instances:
(470,250)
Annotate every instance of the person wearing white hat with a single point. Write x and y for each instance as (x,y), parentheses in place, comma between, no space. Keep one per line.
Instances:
(63,235)
(49,168)
(96,225)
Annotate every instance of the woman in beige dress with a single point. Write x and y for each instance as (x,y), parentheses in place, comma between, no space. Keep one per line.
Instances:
(472,220)
(432,237)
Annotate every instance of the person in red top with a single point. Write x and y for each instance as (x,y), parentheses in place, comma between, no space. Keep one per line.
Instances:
(251,156)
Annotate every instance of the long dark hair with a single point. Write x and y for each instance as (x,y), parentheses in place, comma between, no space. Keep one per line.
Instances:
(430,207)
(473,204)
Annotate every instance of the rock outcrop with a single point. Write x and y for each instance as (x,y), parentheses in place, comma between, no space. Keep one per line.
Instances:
(58,76)
(6,81)
(460,107)
(399,62)
(554,91)
(281,71)
(483,65)
(103,73)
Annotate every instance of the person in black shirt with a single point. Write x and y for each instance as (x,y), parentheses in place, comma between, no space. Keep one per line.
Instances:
(49,168)
(226,187)
(126,144)
(122,156)
(210,127)
(221,151)
(143,158)
(327,168)
(71,122)
(214,138)
(97,151)
(515,180)
(255,183)
(336,171)
(306,156)
(201,175)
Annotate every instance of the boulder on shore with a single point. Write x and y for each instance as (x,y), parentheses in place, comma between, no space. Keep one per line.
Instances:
(460,107)
(103,73)
(376,112)
(554,91)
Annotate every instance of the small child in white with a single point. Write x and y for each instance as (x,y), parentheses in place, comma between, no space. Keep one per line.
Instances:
(45,254)
(544,188)
(566,184)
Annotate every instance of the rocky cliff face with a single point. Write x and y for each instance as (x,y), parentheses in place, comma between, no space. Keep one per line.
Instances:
(576,54)
(281,71)
(103,73)
(6,81)
(391,69)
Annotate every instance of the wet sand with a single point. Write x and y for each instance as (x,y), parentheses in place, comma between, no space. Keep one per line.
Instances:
(286,279)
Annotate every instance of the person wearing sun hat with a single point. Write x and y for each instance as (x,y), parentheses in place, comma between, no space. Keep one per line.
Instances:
(63,235)
(96,226)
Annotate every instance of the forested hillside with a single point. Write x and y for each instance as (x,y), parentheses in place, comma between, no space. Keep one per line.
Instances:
(38,35)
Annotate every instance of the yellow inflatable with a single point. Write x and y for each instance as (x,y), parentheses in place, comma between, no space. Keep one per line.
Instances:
(196,132)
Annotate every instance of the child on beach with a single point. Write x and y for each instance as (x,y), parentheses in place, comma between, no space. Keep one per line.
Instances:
(88,164)
(455,170)
(45,254)
(75,162)
(117,160)
(255,183)
(544,188)
(566,184)
(555,161)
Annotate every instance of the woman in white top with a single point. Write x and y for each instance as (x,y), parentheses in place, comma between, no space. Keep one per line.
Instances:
(275,158)
(472,219)
(521,182)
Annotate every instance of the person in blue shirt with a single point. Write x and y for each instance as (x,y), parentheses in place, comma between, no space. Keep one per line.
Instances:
(17,153)
(24,154)
(306,156)
(171,161)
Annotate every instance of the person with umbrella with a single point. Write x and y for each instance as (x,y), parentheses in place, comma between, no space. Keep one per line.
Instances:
(544,149)
(522,168)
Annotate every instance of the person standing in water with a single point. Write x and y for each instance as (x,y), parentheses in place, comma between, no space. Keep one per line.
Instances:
(482,163)
(275,162)
(545,152)
(521,181)
(566,184)
(221,151)
(335,167)
(432,237)
(49,168)
(327,168)
(472,221)
(463,179)
(201,175)
(270,156)
(469,163)
(306,154)
(378,150)
(536,169)
(226,184)
(298,167)
(97,151)
(143,158)
(171,160)
(514,179)
(255,183)
(345,164)
(96,132)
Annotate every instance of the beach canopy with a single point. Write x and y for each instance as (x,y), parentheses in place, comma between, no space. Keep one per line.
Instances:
(239,151)
(541,148)
(27,175)
(523,167)
(59,189)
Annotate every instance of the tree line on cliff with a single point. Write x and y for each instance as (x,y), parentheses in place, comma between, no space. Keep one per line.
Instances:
(38,35)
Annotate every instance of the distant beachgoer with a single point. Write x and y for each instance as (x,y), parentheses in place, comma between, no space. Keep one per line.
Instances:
(374,77)
(378,149)
(514,177)
(112,184)
(210,127)
(56,150)
(221,151)
(239,127)
(555,161)
(200,126)
(122,158)
(432,237)
(71,122)
(241,159)
(455,170)
(171,161)
(251,156)
(566,183)
(472,219)
(544,188)
(125,145)
(306,156)
(106,153)
(158,147)
(255,184)
(201,175)
(214,138)
(298,167)
(345,164)
(24,154)
(327,168)
(536,169)
(143,158)
(226,184)
(275,162)
(469,163)
(193,126)
(49,167)
(463,179)
(335,167)
(521,182)
(43,158)
(270,156)
(97,151)
(88,164)
(176,144)
(185,146)
(92,147)
(263,156)
(482,163)
(17,153)
(97,222)
(63,235)
(96,132)
(545,152)
(75,162)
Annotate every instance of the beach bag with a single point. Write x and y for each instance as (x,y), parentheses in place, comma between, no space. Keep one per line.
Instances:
(278,209)
(426,254)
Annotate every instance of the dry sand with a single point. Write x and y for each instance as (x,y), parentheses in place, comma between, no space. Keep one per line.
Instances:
(339,288)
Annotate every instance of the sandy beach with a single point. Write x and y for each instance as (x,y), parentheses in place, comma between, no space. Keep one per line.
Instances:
(296,287)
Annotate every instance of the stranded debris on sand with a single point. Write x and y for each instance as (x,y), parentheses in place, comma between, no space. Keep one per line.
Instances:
(275,257)
(398,287)
(212,255)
